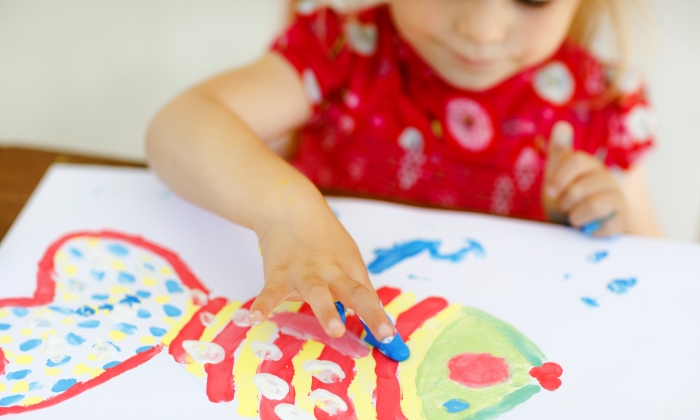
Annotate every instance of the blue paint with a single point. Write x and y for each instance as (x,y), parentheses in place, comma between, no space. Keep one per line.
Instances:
(76,253)
(63,385)
(100,297)
(455,406)
(387,258)
(149,266)
(118,249)
(341,311)
(106,307)
(173,286)
(11,400)
(98,275)
(622,286)
(60,310)
(127,329)
(74,340)
(30,344)
(115,346)
(18,375)
(130,300)
(36,386)
(126,278)
(157,332)
(85,311)
(590,302)
(567,276)
(65,360)
(598,256)
(589,229)
(171,311)
(396,349)
(89,324)
(142,349)
(143,313)
(110,365)
(5,327)
(143,294)
(420,278)
(20,312)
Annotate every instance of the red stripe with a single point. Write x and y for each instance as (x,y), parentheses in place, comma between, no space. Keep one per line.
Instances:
(347,364)
(387,294)
(388,391)
(220,385)
(3,362)
(194,329)
(306,309)
(284,369)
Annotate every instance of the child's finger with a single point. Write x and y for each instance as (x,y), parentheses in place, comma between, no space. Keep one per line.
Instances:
(583,188)
(560,144)
(596,207)
(271,295)
(366,305)
(574,166)
(315,292)
(613,226)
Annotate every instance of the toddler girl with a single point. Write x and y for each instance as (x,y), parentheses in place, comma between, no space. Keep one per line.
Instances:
(482,105)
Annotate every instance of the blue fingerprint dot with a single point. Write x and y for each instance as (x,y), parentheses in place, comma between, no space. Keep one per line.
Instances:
(130,300)
(455,406)
(18,375)
(171,311)
(11,400)
(127,329)
(173,286)
(60,310)
(65,360)
(100,297)
(110,365)
(5,327)
(85,311)
(36,386)
(89,324)
(107,307)
(598,256)
(98,275)
(30,345)
(157,332)
(63,385)
(143,313)
(143,349)
(622,286)
(143,294)
(590,302)
(149,266)
(20,312)
(118,249)
(76,253)
(126,278)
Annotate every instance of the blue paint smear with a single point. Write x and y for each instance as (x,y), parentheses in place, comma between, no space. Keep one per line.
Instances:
(89,324)
(98,275)
(143,294)
(455,406)
(173,286)
(126,328)
(60,310)
(598,256)
(130,300)
(171,310)
(64,385)
(590,302)
(149,266)
(567,276)
(118,249)
(11,400)
(76,253)
(100,297)
(143,313)
(107,307)
(387,258)
(622,286)
(36,386)
(85,311)
(111,365)
(157,332)
(5,327)
(75,340)
(142,349)
(30,345)
(17,376)
(20,312)
(126,278)
(65,360)
(115,346)
(396,350)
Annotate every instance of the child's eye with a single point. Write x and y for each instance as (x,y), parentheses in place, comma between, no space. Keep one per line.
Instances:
(534,3)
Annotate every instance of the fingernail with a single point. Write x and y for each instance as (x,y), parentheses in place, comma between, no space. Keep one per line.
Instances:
(563,134)
(255,317)
(387,332)
(336,327)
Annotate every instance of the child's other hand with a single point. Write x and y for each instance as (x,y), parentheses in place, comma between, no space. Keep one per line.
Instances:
(308,256)
(581,187)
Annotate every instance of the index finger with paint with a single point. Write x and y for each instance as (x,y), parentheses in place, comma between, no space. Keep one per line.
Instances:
(560,146)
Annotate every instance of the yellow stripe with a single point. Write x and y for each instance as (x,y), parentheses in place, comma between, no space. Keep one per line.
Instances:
(247,366)
(222,318)
(302,379)
(402,302)
(420,342)
(190,309)
(362,388)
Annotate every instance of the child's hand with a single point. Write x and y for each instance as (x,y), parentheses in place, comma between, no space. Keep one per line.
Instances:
(309,256)
(581,187)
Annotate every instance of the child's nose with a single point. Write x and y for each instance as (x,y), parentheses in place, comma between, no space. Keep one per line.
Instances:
(484,21)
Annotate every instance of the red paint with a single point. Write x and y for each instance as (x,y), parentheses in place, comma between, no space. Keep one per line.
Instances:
(3,362)
(194,329)
(387,294)
(347,364)
(388,391)
(284,369)
(548,375)
(478,370)
(220,381)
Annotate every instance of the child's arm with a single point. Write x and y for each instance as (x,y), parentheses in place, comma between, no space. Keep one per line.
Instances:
(206,145)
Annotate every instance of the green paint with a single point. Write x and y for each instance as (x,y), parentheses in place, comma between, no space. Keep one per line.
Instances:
(476,332)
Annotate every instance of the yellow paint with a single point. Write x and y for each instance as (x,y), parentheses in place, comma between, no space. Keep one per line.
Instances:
(4,313)
(9,354)
(118,265)
(190,309)
(150,281)
(26,331)
(166,271)
(288,307)
(117,335)
(95,372)
(222,318)
(362,388)
(197,369)
(403,302)
(118,290)
(67,321)
(21,386)
(60,285)
(31,401)
(81,369)
(70,297)
(5,339)
(41,312)
(3,388)
(112,299)
(163,299)
(148,340)
(247,366)
(419,343)
(24,360)
(169,321)
(44,335)
(70,270)
(302,379)
(145,257)
(92,357)
(92,242)
(52,371)
(60,256)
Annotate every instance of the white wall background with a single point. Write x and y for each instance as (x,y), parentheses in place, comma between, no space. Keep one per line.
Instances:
(87,75)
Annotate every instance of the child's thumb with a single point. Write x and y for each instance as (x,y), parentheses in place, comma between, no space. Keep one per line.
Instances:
(560,143)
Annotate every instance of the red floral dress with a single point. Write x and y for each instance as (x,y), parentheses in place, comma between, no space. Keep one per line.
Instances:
(385,125)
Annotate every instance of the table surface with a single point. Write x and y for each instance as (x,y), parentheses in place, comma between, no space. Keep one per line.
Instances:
(21,170)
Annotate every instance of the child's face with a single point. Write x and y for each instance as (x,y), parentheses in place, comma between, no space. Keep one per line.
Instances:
(475,44)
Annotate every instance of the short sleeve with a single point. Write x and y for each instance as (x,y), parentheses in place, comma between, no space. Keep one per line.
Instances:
(315,45)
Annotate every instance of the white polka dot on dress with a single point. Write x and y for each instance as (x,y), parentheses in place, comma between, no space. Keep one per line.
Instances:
(311,87)
(363,38)
(469,124)
(502,198)
(554,83)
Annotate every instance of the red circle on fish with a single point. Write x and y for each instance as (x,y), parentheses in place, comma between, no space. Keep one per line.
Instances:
(548,375)
(478,370)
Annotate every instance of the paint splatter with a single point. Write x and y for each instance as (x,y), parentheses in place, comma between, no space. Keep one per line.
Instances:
(589,301)
(478,370)
(18,375)
(63,385)
(598,256)
(388,258)
(455,406)
(548,375)
(622,286)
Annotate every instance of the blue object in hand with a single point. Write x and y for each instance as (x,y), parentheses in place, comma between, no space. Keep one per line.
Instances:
(589,229)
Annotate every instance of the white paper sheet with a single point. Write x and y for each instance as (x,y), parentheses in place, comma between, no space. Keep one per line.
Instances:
(634,356)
